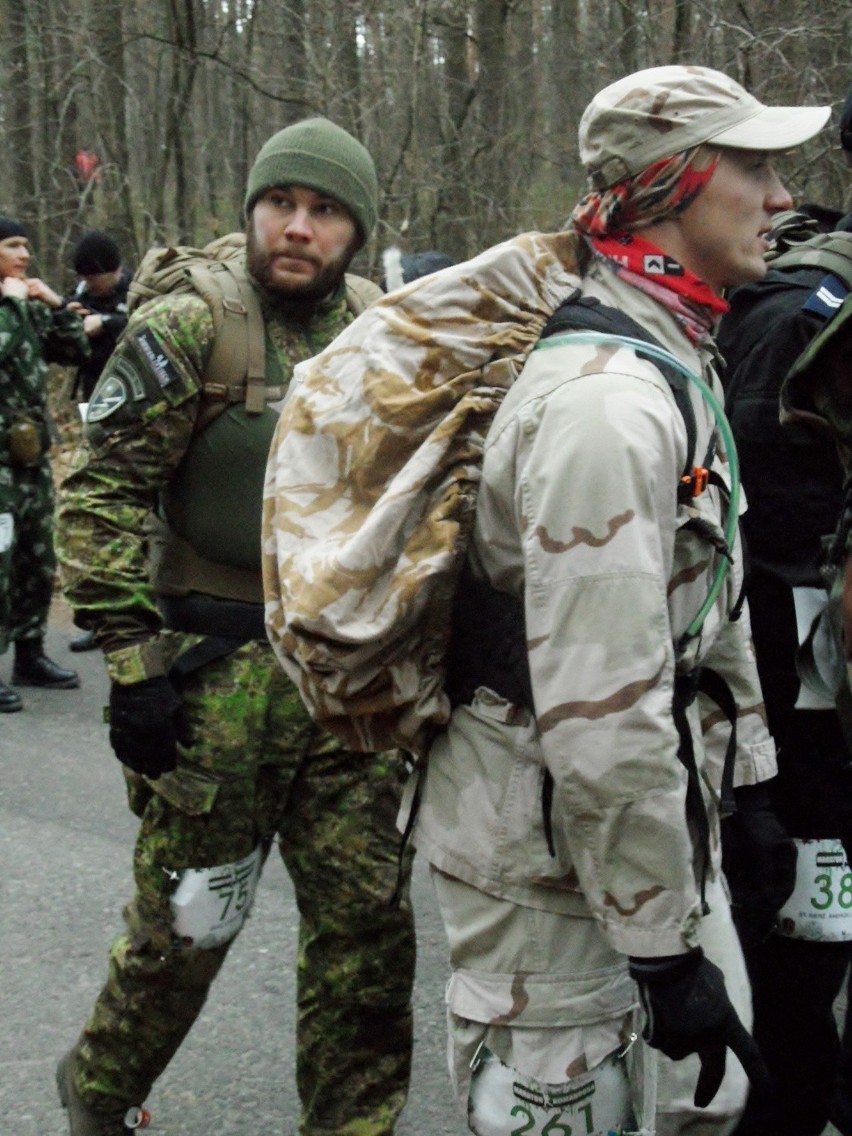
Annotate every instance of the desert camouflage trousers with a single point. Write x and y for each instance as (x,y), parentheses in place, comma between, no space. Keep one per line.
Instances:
(546,993)
(27,560)
(259,771)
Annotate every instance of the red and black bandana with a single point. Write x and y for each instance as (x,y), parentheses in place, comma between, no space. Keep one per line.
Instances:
(611,217)
(663,190)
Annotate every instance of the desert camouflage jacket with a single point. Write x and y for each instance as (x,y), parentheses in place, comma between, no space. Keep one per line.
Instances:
(577,514)
(141,423)
(32,334)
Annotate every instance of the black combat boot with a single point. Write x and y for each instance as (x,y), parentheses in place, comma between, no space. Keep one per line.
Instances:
(34,668)
(84,1120)
(84,642)
(10,701)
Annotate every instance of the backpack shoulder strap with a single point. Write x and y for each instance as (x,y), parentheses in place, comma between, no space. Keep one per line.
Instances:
(237,363)
(360,293)
(829,251)
(236,367)
(238,355)
(583,313)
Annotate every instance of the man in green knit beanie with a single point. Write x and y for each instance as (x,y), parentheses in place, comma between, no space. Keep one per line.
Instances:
(221,759)
(312,161)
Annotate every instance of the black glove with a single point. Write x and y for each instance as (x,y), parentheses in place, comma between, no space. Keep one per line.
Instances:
(687,1010)
(759,861)
(144,727)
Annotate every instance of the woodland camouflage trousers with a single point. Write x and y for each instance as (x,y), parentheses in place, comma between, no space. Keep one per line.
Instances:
(27,560)
(259,771)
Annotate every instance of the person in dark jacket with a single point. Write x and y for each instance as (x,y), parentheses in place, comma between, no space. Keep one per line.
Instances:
(401,268)
(794,484)
(101,299)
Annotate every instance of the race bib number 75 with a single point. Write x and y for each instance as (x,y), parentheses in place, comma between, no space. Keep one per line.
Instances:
(210,905)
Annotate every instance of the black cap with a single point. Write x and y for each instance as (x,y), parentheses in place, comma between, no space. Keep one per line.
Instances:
(10,228)
(402,269)
(417,264)
(94,253)
(846,125)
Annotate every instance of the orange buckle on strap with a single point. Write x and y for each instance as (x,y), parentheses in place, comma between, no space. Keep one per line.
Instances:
(697,480)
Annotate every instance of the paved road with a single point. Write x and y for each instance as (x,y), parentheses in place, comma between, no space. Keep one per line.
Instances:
(65,841)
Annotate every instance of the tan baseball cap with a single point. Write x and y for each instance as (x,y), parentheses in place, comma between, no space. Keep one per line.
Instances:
(653,114)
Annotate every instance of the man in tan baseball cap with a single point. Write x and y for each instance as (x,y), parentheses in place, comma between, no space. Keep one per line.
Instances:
(653,114)
(571,807)
(679,165)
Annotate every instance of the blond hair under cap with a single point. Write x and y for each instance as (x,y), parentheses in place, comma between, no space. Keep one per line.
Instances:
(661,111)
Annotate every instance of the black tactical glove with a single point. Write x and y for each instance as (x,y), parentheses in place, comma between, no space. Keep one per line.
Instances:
(143,725)
(687,1010)
(759,861)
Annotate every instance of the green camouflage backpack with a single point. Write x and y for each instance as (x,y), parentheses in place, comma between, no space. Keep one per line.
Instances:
(237,364)
(820,660)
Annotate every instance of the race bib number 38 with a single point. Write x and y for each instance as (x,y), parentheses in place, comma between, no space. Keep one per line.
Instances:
(820,908)
(504,1102)
(210,905)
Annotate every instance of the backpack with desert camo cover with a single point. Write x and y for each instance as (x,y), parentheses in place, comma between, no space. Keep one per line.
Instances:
(373,475)
(236,369)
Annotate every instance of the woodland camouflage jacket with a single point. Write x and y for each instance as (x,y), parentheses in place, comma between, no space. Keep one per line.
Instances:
(31,336)
(140,427)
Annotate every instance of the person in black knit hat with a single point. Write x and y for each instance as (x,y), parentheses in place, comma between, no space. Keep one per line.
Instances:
(846,128)
(101,299)
(798,958)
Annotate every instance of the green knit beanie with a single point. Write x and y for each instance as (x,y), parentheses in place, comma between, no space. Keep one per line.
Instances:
(319,155)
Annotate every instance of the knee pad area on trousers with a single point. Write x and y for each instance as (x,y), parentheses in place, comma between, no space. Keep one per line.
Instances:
(210,905)
(504,1102)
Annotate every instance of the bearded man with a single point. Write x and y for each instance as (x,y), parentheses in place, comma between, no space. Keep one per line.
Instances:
(220,757)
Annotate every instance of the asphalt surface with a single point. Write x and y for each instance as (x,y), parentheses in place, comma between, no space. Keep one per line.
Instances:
(65,870)
(66,837)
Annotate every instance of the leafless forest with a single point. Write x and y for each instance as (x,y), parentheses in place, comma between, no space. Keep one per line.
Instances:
(142,116)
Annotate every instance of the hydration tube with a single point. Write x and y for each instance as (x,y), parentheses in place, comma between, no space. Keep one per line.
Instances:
(718,411)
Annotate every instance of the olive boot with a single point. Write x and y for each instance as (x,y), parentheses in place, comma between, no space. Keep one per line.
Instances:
(33,668)
(87,1121)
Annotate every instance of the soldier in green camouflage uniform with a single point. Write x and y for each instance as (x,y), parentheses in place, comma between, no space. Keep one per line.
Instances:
(35,328)
(222,758)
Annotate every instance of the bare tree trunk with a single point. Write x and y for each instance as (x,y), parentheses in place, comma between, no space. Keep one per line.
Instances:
(40,112)
(106,28)
(292,24)
(681,39)
(18,121)
(345,97)
(567,64)
(454,198)
(184,20)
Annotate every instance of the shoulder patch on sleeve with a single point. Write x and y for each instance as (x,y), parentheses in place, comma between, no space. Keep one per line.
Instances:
(109,396)
(158,361)
(827,297)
